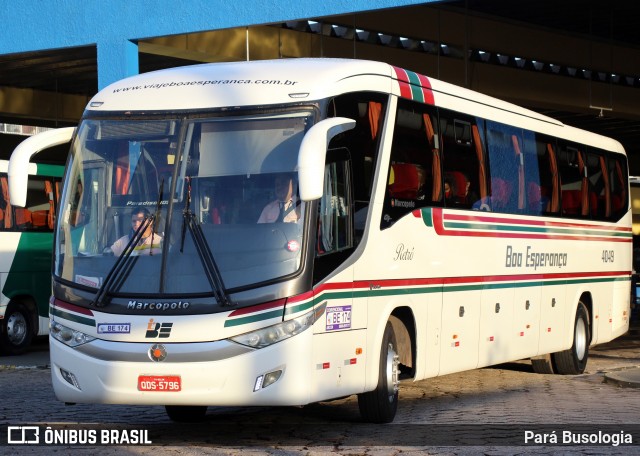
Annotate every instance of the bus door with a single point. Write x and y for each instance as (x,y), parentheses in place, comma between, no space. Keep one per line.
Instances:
(339,344)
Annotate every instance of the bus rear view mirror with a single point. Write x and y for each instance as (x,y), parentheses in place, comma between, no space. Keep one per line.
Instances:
(313,151)
(19,161)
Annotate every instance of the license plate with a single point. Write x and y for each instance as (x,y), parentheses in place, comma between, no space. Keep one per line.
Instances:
(162,383)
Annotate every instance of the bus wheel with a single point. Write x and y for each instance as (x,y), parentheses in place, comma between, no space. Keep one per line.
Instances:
(380,405)
(16,329)
(186,413)
(574,360)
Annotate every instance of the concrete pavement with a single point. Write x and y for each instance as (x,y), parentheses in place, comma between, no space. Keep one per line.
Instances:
(627,377)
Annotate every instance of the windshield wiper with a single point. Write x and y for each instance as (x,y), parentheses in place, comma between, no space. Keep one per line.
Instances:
(124,263)
(211,270)
(122,267)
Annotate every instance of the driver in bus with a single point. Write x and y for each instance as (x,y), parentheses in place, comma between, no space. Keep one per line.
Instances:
(285,207)
(148,244)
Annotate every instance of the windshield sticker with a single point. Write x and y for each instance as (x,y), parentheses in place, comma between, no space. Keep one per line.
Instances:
(88,281)
(147,203)
(338,317)
(114,328)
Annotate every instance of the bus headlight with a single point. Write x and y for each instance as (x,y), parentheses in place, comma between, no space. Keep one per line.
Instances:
(68,336)
(281,331)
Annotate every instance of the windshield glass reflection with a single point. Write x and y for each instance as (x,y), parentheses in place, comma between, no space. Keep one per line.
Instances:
(218,194)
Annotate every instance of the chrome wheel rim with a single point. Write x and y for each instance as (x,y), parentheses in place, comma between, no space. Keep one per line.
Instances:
(581,339)
(16,328)
(392,373)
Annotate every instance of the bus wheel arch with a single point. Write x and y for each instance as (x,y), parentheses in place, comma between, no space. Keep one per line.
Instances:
(404,326)
(19,325)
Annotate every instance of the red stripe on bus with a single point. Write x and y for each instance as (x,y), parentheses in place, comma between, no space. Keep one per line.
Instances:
(72,308)
(426,89)
(259,307)
(488,219)
(403,82)
(467,280)
(438,224)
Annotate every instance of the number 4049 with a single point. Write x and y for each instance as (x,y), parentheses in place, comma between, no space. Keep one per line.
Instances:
(607,256)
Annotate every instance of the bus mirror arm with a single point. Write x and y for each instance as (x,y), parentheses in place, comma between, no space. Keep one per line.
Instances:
(19,161)
(312,155)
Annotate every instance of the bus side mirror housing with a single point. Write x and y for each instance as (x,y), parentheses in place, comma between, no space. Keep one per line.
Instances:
(19,161)
(313,152)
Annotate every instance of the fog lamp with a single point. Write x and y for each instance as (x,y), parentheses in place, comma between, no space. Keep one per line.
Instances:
(70,378)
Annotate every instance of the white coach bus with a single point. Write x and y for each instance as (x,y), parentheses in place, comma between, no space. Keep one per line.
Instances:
(26,244)
(292,231)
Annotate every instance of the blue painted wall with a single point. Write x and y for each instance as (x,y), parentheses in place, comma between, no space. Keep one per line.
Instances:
(114,26)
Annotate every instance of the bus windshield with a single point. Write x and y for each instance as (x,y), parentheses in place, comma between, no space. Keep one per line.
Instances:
(182,206)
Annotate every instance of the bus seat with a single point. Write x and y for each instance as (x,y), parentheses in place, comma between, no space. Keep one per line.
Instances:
(593,203)
(459,183)
(571,201)
(406,181)
(616,203)
(40,219)
(23,217)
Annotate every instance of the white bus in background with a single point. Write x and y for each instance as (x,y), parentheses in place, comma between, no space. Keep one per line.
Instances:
(428,230)
(26,244)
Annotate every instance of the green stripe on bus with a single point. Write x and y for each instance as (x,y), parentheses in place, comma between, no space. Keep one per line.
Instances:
(253,318)
(49,170)
(300,307)
(339,295)
(72,317)
(414,84)
(533,229)
(427,217)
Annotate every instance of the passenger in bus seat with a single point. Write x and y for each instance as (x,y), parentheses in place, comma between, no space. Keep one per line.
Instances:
(469,197)
(499,200)
(450,191)
(537,201)
(149,244)
(285,208)
(500,194)
(460,193)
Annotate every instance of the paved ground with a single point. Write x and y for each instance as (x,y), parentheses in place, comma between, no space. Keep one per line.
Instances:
(466,413)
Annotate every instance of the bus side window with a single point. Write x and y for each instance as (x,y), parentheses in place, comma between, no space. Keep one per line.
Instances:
(415,176)
(335,231)
(38,213)
(541,175)
(574,181)
(507,168)
(463,154)
(6,222)
(362,142)
(598,186)
(617,166)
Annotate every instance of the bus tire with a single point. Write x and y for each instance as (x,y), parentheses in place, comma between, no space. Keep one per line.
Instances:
(380,405)
(574,360)
(16,329)
(186,413)
(543,364)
